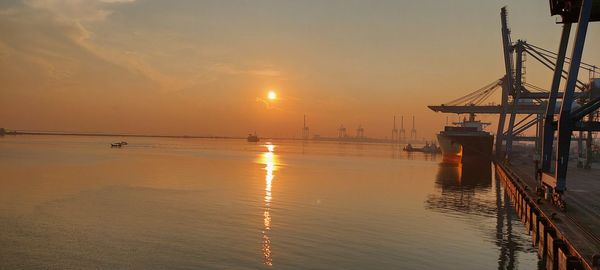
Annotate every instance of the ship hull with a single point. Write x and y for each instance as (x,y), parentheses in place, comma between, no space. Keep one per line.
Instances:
(465,147)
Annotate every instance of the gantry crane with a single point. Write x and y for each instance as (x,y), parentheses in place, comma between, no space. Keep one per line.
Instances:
(540,106)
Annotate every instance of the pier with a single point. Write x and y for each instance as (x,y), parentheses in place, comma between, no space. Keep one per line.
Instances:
(564,239)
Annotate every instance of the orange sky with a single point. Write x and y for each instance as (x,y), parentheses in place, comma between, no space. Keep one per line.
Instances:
(204,67)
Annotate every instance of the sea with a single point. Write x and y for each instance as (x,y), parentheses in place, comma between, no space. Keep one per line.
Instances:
(75,202)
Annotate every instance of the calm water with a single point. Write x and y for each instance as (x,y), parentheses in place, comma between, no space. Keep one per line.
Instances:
(75,203)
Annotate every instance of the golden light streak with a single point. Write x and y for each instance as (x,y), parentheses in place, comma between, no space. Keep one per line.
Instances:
(271,148)
(270,161)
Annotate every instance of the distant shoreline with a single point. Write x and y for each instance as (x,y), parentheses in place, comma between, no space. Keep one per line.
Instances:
(321,139)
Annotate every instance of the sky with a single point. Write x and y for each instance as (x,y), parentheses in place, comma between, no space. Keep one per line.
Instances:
(205,67)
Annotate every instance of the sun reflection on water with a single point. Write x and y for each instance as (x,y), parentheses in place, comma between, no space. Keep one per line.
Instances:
(270,161)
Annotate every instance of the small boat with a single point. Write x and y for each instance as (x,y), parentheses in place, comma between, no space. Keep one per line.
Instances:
(428,148)
(118,144)
(252,138)
(431,148)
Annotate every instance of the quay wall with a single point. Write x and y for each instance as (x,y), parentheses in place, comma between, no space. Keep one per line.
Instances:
(555,250)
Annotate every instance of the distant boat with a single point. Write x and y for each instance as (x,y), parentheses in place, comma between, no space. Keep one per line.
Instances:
(428,148)
(253,138)
(118,144)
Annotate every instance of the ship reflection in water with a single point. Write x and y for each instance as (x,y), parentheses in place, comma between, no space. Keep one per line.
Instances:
(460,185)
(467,192)
(269,159)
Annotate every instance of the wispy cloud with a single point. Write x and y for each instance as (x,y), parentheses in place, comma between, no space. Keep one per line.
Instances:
(77,10)
(61,30)
(260,71)
(57,35)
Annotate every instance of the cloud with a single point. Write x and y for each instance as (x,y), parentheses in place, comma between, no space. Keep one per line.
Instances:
(5,51)
(8,11)
(266,72)
(77,10)
(62,37)
(55,52)
(55,36)
(228,69)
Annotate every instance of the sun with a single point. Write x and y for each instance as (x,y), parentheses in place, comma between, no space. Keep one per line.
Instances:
(272,95)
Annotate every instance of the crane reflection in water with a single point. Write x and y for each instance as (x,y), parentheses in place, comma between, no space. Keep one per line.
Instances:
(270,160)
(467,189)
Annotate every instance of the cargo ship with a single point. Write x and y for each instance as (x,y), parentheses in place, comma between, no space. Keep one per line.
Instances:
(466,141)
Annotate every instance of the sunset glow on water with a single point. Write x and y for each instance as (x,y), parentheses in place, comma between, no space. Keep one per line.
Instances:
(73,202)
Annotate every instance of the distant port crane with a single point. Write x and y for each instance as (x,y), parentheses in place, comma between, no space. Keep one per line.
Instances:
(402,132)
(395,137)
(342,132)
(413,131)
(360,132)
(305,130)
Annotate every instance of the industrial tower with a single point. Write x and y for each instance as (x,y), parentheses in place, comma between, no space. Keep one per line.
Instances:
(402,133)
(360,132)
(342,132)
(395,131)
(305,133)
(413,131)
